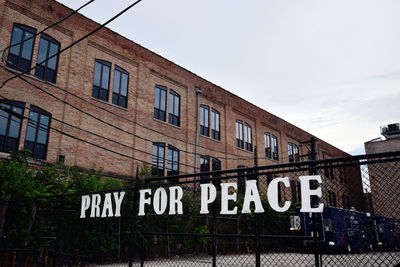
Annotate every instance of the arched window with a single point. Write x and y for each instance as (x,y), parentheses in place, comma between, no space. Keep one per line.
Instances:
(11,113)
(101,79)
(47,69)
(21,47)
(174,108)
(158,159)
(160,102)
(37,132)
(215,125)
(173,161)
(120,87)
(204,123)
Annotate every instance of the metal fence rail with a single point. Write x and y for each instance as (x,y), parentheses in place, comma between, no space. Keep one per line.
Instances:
(359,226)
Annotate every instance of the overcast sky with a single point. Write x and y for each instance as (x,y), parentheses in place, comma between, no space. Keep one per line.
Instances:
(331,67)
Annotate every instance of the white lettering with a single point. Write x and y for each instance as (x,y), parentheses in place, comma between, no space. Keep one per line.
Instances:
(306,193)
(85,204)
(252,195)
(143,200)
(160,201)
(95,210)
(208,195)
(118,201)
(107,206)
(225,197)
(175,199)
(273,200)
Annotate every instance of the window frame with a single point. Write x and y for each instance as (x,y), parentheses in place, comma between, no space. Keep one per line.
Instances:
(50,40)
(172,117)
(39,111)
(100,88)
(171,172)
(118,94)
(158,159)
(216,165)
(267,145)
(160,114)
(248,138)
(204,127)
(215,124)
(239,134)
(24,29)
(11,114)
(293,152)
(204,169)
(275,154)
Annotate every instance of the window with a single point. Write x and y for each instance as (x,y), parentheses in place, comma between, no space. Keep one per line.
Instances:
(216,166)
(241,179)
(290,152)
(267,145)
(160,99)
(204,166)
(275,152)
(296,190)
(10,125)
(204,126)
(37,132)
(329,172)
(293,152)
(120,87)
(101,79)
(342,175)
(239,134)
(205,122)
(173,161)
(158,159)
(174,108)
(332,199)
(47,69)
(247,137)
(215,133)
(20,56)
(247,145)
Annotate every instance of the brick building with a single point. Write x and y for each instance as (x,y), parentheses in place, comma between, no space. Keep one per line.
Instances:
(385,182)
(108,94)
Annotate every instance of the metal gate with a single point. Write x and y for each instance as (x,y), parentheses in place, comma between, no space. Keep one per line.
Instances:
(359,225)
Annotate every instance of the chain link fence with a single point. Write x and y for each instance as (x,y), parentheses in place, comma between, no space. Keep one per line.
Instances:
(359,225)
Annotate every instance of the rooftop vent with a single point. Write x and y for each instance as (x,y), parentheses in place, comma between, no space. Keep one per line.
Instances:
(391,131)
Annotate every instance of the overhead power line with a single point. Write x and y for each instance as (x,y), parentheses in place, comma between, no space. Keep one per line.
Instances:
(50,26)
(45,127)
(119,128)
(73,44)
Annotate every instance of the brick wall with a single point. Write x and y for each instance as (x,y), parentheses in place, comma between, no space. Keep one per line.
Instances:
(146,70)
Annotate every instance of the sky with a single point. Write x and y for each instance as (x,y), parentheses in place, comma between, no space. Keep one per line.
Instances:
(329,67)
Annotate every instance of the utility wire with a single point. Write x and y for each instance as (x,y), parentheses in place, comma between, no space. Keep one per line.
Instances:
(48,27)
(116,127)
(73,44)
(46,127)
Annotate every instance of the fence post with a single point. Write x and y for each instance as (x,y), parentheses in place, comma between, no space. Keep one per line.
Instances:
(143,249)
(314,220)
(6,229)
(59,223)
(256,224)
(214,238)
(133,225)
